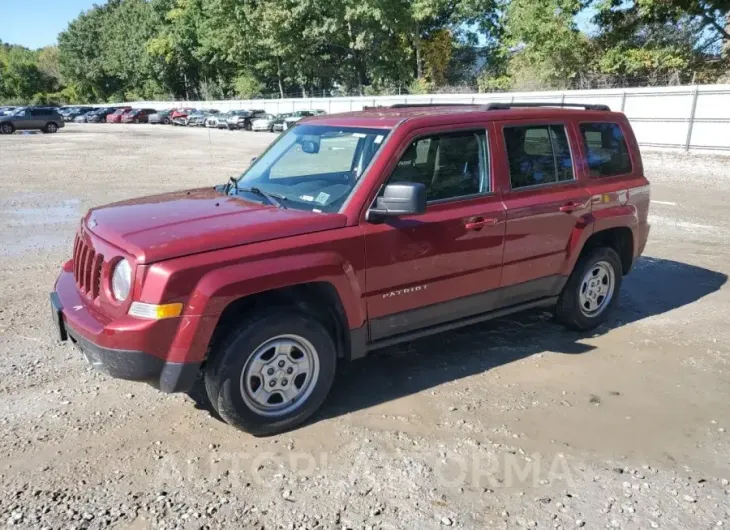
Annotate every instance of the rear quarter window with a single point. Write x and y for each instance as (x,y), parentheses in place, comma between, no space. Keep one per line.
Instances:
(607,154)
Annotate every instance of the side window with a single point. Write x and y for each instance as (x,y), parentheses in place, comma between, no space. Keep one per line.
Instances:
(39,112)
(606,149)
(449,165)
(538,154)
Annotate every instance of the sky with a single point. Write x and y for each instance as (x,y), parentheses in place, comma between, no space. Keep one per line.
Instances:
(37,23)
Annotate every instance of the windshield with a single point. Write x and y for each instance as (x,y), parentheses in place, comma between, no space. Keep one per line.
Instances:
(313,167)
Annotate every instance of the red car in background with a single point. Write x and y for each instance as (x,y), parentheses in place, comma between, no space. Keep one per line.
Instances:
(181,115)
(116,116)
(138,116)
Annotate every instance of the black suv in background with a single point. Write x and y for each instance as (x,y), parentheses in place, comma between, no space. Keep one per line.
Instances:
(45,119)
(99,116)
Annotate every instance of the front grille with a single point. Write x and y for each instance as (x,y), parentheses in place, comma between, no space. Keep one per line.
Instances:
(87,268)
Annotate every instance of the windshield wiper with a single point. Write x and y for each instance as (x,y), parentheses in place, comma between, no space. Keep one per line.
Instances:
(274,198)
(232,183)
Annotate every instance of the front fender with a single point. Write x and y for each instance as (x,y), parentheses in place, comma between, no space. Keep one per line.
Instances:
(220,287)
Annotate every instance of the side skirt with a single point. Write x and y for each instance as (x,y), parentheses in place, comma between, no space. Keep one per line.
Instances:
(454,324)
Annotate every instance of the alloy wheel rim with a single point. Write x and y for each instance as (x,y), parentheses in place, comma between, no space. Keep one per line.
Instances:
(280,375)
(6,129)
(596,289)
(52,128)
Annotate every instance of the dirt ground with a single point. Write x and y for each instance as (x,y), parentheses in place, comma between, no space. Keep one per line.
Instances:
(515,423)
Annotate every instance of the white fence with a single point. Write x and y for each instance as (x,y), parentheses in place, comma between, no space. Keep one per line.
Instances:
(685,117)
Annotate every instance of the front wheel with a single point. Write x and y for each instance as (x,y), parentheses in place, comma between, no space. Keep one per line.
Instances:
(273,374)
(592,290)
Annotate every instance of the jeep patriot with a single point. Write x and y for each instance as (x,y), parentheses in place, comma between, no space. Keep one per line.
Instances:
(352,232)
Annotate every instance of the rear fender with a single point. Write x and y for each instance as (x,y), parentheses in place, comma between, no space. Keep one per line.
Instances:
(600,219)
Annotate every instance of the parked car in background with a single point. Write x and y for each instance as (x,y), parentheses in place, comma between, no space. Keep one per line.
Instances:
(138,115)
(197,119)
(263,123)
(45,119)
(116,116)
(7,110)
(278,125)
(242,119)
(180,116)
(298,115)
(161,116)
(100,115)
(218,121)
(73,113)
(83,118)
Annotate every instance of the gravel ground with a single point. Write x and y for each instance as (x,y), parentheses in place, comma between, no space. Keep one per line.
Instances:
(510,424)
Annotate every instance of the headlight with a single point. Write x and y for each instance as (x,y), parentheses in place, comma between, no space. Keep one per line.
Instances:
(121,280)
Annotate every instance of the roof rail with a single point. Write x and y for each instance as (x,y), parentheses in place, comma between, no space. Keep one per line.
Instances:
(416,105)
(586,106)
(504,106)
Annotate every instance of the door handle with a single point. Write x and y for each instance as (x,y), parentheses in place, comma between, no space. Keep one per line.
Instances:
(479,223)
(571,207)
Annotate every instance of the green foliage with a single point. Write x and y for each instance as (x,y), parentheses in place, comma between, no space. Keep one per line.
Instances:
(214,49)
(247,86)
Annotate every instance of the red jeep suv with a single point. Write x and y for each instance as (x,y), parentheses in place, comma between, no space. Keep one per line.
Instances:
(353,232)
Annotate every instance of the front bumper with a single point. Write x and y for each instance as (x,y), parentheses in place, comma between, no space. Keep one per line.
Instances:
(71,315)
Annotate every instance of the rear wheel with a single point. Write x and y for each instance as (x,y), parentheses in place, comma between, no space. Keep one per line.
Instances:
(6,128)
(591,292)
(272,374)
(50,128)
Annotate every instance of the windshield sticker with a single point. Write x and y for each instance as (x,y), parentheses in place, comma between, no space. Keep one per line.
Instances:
(307,198)
(359,135)
(378,138)
(322,198)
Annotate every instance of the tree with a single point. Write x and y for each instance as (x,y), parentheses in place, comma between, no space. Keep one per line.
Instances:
(546,49)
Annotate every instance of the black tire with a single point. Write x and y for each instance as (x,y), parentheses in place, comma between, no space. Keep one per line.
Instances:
(248,126)
(50,128)
(6,128)
(568,310)
(224,371)
(166,121)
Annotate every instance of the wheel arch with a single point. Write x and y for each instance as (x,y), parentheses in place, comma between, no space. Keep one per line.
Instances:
(619,238)
(319,299)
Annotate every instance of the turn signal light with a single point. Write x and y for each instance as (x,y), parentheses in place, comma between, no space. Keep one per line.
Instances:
(155,312)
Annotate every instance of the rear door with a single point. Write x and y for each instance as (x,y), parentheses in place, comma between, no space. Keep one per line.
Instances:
(545,202)
(443,265)
(39,118)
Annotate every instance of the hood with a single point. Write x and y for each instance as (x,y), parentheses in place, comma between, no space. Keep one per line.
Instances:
(188,222)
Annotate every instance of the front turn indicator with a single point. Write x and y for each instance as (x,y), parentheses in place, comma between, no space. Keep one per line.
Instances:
(154,311)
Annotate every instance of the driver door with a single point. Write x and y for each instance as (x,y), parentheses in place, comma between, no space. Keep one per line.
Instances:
(22,121)
(445,264)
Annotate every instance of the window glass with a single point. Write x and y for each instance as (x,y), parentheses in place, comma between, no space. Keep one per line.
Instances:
(335,155)
(538,154)
(39,112)
(449,165)
(606,149)
(312,167)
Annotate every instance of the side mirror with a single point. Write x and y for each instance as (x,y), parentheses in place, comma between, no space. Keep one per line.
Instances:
(408,198)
